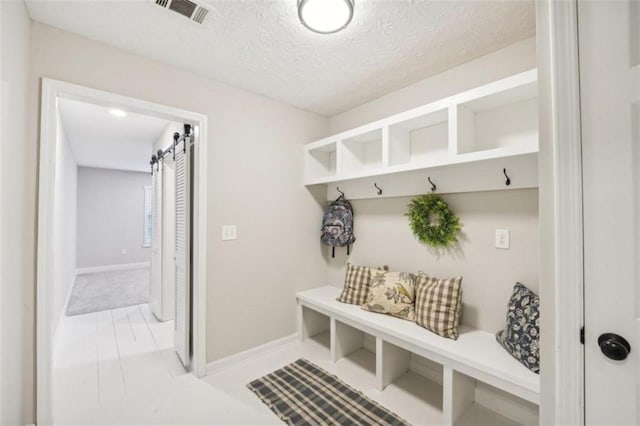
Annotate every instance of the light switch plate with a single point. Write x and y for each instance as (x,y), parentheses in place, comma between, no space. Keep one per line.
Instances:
(229,232)
(123,252)
(502,238)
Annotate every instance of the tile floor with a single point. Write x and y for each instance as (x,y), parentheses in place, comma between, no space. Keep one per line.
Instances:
(118,367)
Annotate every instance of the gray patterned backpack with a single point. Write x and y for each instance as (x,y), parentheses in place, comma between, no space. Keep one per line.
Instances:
(337,225)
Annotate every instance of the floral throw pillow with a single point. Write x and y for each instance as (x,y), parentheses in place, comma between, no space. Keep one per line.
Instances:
(392,293)
(521,336)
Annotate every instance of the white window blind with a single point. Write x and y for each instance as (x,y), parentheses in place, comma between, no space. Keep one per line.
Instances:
(157,297)
(148,217)
(182,245)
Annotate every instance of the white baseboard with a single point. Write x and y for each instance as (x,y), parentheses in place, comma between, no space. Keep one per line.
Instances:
(109,268)
(224,363)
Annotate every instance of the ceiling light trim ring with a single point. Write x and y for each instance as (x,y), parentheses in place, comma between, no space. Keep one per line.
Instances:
(350,5)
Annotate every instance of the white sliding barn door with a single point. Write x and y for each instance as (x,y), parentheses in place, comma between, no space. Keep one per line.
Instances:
(609,40)
(168,239)
(156,243)
(182,337)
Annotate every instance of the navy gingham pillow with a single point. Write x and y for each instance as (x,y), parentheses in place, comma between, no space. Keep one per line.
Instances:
(521,336)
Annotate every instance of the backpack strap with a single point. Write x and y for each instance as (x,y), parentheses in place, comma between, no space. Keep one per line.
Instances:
(348,246)
(333,251)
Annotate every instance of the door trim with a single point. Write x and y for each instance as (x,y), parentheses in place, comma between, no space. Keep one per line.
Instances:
(51,91)
(561,214)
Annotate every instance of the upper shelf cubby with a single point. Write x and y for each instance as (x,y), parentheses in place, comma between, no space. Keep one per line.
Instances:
(419,140)
(497,120)
(507,119)
(321,161)
(362,153)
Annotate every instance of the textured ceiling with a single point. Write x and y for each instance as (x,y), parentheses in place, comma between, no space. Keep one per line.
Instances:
(98,139)
(260,46)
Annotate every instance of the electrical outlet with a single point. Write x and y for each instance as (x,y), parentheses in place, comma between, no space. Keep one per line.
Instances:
(502,238)
(229,232)
(123,252)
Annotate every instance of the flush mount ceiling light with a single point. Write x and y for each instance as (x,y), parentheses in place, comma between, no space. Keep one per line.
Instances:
(118,112)
(325,16)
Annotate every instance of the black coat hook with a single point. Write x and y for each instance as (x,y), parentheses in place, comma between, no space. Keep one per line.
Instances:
(433,185)
(508,182)
(341,193)
(378,188)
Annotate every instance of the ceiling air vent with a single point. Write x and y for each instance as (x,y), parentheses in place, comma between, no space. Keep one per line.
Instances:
(186,8)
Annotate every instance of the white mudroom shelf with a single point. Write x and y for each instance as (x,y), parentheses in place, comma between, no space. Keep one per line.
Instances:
(463,143)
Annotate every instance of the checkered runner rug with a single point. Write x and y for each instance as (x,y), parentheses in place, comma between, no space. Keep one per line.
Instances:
(302,393)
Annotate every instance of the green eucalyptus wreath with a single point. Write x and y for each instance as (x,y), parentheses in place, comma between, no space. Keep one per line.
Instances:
(438,233)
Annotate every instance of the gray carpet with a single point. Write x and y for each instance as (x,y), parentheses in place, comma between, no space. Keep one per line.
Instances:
(109,290)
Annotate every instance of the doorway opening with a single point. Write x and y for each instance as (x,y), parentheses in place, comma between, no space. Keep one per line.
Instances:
(117,314)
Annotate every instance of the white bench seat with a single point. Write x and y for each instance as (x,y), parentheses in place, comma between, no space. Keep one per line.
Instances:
(475,354)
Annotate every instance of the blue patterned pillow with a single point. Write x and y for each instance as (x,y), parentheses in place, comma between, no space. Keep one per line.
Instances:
(521,336)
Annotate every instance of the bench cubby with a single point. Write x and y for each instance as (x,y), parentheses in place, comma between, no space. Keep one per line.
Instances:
(344,340)
(312,324)
(458,394)
(391,362)
(473,363)
(415,395)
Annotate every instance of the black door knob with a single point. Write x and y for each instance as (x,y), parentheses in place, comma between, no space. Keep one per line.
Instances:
(614,346)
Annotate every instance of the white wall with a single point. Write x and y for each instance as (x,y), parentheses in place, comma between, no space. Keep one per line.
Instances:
(255,182)
(111,217)
(384,238)
(518,57)
(64,224)
(382,230)
(17,240)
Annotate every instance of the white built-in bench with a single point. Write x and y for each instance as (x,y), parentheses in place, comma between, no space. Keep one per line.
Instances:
(476,355)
